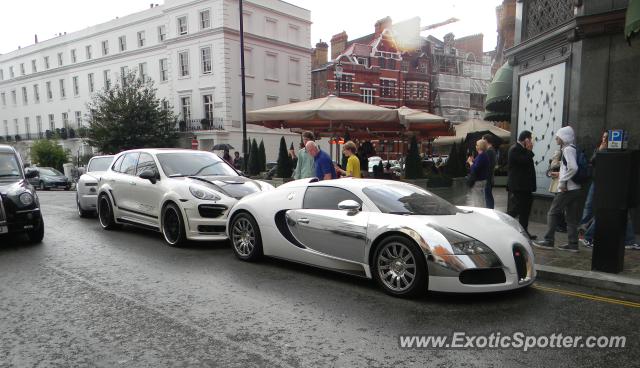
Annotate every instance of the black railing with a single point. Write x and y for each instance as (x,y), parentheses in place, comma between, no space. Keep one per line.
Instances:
(193,125)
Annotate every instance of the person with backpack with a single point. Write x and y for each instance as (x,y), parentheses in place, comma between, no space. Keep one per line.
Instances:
(573,171)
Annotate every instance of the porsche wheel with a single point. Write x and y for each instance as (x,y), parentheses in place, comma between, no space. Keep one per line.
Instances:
(245,237)
(173,227)
(105,213)
(399,267)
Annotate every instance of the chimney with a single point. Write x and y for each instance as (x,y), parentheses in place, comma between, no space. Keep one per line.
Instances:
(36,37)
(338,44)
(382,24)
(151,5)
(320,54)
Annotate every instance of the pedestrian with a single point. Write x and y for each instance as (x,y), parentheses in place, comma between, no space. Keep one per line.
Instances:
(353,163)
(324,169)
(554,166)
(491,154)
(567,198)
(227,157)
(293,158)
(588,221)
(305,165)
(521,180)
(237,160)
(479,173)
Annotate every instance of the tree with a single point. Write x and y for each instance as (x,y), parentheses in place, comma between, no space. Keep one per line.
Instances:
(48,153)
(254,159)
(284,161)
(263,156)
(129,115)
(413,164)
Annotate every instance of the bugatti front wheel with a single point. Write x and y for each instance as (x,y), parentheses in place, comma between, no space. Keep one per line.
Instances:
(399,267)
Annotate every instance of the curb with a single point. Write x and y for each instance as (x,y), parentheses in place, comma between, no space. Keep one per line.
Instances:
(594,279)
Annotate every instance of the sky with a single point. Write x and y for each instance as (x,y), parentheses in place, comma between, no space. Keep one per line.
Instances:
(20,20)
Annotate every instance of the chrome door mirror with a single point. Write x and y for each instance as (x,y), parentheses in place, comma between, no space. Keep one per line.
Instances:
(350,205)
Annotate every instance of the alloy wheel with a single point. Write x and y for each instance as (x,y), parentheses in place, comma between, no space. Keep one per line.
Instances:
(396,266)
(171,226)
(243,236)
(104,212)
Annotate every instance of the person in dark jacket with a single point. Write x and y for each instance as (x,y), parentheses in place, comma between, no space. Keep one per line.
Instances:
(521,181)
(491,154)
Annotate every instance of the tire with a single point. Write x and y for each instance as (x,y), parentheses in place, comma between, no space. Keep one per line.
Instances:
(245,237)
(42,187)
(105,213)
(36,235)
(173,226)
(396,258)
(81,212)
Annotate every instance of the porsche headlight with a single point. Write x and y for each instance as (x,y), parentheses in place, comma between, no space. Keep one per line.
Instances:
(26,199)
(461,243)
(203,194)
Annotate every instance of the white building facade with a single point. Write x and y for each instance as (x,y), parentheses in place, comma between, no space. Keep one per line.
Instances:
(189,48)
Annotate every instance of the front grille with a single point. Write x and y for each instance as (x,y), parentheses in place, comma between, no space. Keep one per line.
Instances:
(521,258)
(90,184)
(3,215)
(212,229)
(483,276)
(212,210)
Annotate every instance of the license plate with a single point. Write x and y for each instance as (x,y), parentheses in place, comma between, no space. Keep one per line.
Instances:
(4,229)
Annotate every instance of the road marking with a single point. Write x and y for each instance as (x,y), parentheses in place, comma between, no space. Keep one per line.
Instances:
(588,296)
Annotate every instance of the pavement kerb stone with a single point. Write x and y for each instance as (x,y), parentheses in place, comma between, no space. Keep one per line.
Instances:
(594,279)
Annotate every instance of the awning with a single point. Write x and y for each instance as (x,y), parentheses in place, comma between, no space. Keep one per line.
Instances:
(497,116)
(500,90)
(632,21)
(472,126)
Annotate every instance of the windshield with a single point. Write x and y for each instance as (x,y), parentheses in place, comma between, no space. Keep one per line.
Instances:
(48,171)
(404,199)
(194,164)
(100,164)
(9,167)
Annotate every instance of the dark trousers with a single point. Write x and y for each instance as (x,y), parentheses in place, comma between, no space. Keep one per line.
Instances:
(520,207)
(488,195)
(569,203)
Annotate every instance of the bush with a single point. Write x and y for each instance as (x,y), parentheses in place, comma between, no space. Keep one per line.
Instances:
(413,165)
(254,159)
(263,156)
(48,153)
(284,161)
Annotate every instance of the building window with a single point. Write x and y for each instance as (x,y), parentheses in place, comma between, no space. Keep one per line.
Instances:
(105,48)
(14,98)
(76,86)
(39,124)
(87,50)
(142,70)
(183,63)
(59,59)
(185,106)
(246,21)
(183,27)
(52,122)
(49,91)
(208,107)
(34,67)
(46,62)
(22,71)
(17,126)
(78,119)
(122,42)
(25,97)
(272,101)
(123,75)
(164,70)
(346,83)
(477,101)
(107,79)
(271,67)
(162,33)
(141,39)
(6,127)
(248,62)
(205,56)
(65,120)
(27,128)
(205,19)
(363,61)
(1,74)
(165,104)
(387,88)
(294,34)
(11,74)
(91,82)
(36,93)
(271,28)
(368,95)
(294,71)
(3,97)
(63,93)
(74,59)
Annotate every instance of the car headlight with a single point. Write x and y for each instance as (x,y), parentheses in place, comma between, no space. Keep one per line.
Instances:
(203,194)
(461,243)
(512,222)
(26,199)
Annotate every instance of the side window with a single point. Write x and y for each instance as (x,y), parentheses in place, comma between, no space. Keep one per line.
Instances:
(129,163)
(116,165)
(146,162)
(326,198)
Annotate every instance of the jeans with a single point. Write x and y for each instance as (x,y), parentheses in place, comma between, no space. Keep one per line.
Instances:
(569,203)
(629,235)
(587,213)
(488,195)
(477,193)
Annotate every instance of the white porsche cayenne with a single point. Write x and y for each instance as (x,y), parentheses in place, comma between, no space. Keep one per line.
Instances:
(184,194)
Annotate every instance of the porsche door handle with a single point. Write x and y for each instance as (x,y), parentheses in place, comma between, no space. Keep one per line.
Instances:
(303,220)
(132,183)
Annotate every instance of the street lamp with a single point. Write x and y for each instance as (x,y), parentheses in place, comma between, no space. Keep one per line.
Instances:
(338,75)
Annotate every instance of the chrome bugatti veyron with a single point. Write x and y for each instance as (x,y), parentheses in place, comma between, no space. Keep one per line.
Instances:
(406,238)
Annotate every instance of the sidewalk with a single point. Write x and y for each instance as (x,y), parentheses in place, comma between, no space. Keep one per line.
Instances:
(565,266)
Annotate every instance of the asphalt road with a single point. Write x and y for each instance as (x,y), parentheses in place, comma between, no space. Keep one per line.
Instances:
(88,297)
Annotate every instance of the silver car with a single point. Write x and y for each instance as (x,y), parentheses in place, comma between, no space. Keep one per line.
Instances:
(87,187)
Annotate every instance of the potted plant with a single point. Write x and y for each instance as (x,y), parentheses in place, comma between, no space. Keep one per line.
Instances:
(205,124)
(182,125)
(72,133)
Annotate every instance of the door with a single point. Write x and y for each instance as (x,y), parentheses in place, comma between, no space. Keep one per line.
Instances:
(322,227)
(122,183)
(146,194)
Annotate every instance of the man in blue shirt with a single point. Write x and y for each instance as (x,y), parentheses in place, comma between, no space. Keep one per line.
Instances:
(324,167)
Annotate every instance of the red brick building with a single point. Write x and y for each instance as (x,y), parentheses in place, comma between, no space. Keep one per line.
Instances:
(376,69)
